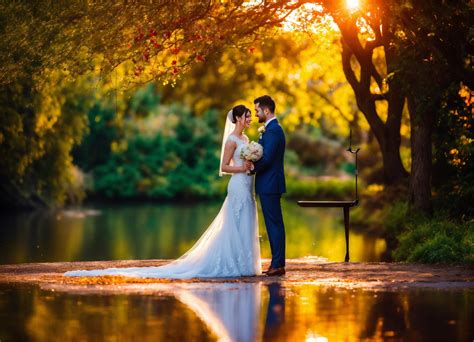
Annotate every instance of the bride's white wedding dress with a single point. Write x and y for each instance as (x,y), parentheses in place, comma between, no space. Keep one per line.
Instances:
(228,248)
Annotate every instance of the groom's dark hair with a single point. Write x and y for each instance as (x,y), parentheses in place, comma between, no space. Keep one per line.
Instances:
(265,101)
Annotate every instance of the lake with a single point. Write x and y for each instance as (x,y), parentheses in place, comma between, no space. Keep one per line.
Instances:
(237,312)
(165,231)
(259,311)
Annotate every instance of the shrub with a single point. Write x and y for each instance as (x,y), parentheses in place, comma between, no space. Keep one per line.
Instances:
(432,240)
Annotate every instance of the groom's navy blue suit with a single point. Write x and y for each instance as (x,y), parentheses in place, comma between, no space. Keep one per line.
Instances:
(270,185)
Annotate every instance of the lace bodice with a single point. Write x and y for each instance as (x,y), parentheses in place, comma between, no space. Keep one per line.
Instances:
(237,161)
(240,184)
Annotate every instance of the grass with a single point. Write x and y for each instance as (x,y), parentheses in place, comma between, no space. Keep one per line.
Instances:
(327,189)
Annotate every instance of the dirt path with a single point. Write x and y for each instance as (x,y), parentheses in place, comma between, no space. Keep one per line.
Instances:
(373,276)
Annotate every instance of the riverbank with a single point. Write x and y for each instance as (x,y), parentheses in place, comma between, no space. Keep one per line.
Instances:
(315,271)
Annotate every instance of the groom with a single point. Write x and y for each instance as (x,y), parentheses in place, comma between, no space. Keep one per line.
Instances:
(270,180)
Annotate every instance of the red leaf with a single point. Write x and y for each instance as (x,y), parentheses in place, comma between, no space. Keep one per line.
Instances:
(139,37)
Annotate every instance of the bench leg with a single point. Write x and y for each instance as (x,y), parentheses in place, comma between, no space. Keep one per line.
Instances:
(346,228)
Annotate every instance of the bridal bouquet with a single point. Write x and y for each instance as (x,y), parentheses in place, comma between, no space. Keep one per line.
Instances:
(252,152)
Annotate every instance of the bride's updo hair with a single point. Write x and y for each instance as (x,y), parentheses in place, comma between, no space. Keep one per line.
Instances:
(237,112)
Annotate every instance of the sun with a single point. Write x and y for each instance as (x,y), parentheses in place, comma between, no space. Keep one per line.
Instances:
(352,4)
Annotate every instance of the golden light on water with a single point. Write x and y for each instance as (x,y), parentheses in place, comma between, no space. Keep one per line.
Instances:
(235,311)
(312,338)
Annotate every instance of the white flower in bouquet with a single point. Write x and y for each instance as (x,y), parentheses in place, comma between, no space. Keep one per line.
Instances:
(252,152)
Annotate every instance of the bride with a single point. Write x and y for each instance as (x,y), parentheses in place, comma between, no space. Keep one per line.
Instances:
(230,246)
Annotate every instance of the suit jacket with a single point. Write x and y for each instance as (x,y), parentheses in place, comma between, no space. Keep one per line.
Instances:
(270,174)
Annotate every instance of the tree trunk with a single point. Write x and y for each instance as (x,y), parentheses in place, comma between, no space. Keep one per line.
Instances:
(388,133)
(421,157)
(394,172)
(392,161)
(389,139)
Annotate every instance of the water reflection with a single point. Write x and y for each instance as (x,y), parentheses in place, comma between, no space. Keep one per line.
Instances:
(238,312)
(275,311)
(230,311)
(163,231)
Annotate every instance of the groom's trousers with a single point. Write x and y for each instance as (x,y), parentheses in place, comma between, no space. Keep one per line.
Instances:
(271,208)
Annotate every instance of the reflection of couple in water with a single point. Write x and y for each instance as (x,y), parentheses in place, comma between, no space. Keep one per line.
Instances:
(232,311)
(275,311)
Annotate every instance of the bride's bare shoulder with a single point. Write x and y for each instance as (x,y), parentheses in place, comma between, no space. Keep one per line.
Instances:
(230,142)
(231,138)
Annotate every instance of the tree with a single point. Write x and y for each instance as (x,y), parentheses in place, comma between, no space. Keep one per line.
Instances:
(158,39)
(38,128)
(372,86)
(421,41)
(42,41)
(434,43)
(164,152)
(297,70)
(164,39)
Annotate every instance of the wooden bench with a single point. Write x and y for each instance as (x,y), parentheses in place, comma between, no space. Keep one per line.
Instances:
(345,205)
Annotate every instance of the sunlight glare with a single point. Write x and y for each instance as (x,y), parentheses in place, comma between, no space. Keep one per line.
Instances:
(301,17)
(352,4)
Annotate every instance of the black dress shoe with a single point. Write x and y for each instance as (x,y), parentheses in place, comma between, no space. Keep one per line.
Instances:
(275,271)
